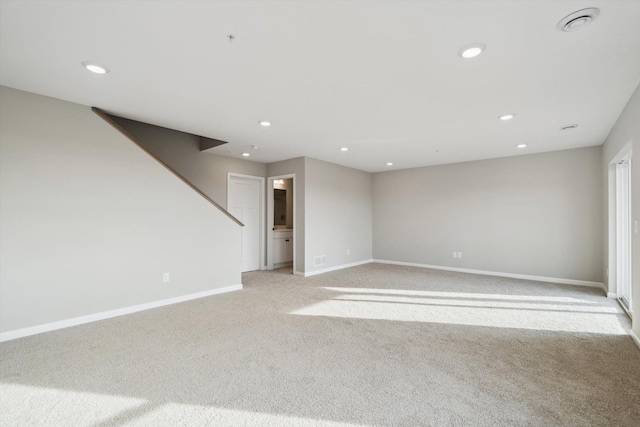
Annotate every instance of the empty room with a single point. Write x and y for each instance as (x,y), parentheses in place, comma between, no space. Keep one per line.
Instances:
(319,213)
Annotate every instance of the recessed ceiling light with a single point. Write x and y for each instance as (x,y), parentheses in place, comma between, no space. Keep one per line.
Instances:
(471,50)
(246,154)
(94,67)
(578,20)
(507,117)
(265,123)
(521,146)
(568,127)
(255,147)
(389,163)
(344,149)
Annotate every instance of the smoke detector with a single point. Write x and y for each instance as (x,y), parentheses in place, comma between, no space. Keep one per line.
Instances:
(578,20)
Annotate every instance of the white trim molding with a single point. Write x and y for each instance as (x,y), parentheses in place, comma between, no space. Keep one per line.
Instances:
(337,267)
(612,235)
(612,295)
(496,273)
(33,330)
(635,338)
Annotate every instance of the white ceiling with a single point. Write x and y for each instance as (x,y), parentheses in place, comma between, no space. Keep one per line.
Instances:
(382,78)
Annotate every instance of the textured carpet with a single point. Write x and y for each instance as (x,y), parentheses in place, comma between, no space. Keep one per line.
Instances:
(374,345)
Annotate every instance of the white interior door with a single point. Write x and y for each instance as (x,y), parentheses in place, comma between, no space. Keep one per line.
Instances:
(243,202)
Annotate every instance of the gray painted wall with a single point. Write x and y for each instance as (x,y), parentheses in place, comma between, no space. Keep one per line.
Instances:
(89,222)
(208,172)
(627,129)
(538,214)
(339,214)
(295,166)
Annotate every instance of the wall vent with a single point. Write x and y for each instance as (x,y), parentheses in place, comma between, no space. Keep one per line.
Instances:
(319,260)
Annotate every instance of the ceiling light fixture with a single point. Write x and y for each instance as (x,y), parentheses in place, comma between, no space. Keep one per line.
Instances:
(578,20)
(471,50)
(246,154)
(94,67)
(265,123)
(507,117)
(521,146)
(344,149)
(389,163)
(568,127)
(255,147)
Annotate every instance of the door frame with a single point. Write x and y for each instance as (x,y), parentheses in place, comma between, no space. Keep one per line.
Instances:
(260,180)
(270,219)
(623,228)
(612,274)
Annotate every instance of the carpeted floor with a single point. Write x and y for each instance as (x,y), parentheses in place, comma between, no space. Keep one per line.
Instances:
(374,345)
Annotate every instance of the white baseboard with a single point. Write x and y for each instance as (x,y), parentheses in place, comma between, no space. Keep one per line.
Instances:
(612,295)
(496,273)
(337,267)
(635,338)
(24,332)
(298,273)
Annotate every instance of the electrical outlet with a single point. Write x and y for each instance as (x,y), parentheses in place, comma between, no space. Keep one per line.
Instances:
(165,278)
(455,254)
(348,252)
(459,254)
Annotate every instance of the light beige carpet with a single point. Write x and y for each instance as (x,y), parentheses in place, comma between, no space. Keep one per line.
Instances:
(374,345)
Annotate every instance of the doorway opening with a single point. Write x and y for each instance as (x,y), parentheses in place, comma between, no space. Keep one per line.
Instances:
(281,222)
(245,201)
(623,231)
(620,228)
